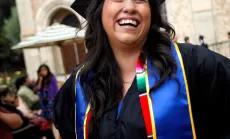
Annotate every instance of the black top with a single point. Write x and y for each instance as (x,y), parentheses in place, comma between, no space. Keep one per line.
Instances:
(14,110)
(204,45)
(208,75)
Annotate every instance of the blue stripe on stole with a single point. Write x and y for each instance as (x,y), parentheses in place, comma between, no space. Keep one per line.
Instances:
(81,106)
(170,105)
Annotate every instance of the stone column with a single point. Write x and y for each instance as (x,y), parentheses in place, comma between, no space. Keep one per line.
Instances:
(27,27)
(222,22)
(26,19)
(180,16)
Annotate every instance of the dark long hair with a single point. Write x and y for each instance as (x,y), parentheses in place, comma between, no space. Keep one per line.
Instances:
(101,76)
(20,81)
(46,80)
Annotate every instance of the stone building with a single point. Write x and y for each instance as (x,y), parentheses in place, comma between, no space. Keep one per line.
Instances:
(36,15)
(192,18)
(210,18)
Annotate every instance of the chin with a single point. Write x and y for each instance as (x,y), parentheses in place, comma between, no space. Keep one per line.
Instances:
(128,42)
(127,39)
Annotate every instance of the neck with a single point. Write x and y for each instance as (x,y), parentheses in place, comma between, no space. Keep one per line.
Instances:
(126,59)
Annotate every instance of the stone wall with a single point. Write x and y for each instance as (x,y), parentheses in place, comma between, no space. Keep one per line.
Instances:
(180,16)
(222,22)
(210,18)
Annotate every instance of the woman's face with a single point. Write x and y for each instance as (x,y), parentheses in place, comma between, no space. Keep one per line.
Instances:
(43,72)
(126,22)
(11,100)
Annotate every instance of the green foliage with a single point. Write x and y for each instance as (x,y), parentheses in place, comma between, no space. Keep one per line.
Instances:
(4,45)
(11,27)
(9,36)
(3,38)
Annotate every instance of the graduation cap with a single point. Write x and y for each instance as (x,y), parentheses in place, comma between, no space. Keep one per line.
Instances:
(80,6)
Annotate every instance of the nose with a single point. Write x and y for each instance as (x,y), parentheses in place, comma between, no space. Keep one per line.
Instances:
(129,6)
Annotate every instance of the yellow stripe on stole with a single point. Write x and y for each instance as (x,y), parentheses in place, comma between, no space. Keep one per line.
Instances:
(85,120)
(187,90)
(75,91)
(150,102)
(87,110)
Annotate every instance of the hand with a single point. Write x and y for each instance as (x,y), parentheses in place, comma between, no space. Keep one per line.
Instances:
(40,78)
(31,116)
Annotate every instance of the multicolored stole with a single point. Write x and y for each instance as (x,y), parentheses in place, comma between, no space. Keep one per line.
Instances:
(167,111)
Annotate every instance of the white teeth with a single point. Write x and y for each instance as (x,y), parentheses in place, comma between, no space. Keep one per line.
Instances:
(128,22)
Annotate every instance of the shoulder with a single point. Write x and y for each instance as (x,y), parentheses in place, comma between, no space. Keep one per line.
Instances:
(197,56)
(24,90)
(53,78)
(187,50)
(188,53)
(73,75)
(67,90)
(203,66)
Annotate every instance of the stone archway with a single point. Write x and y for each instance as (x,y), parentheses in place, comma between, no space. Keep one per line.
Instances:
(46,11)
(60,11)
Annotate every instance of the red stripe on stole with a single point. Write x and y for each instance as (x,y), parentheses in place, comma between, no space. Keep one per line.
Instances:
(87,123)
(146,114)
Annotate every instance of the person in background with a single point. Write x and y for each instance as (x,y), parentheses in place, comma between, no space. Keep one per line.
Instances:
(202,41)
(186,39)
(10,102)
(229,38)
(27,95)
(9,118)
(47,88)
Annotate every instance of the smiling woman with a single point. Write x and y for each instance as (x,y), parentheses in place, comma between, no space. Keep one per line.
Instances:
(129,27)
(136,84)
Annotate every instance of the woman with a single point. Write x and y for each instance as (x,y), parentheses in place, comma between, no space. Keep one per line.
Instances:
(136,84)
(10,118)
(47,88)
(28,96)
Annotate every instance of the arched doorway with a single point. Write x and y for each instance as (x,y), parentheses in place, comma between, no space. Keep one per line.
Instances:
(72,53)
(65,17)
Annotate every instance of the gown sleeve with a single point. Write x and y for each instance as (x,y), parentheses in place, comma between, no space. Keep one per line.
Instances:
(64,109)
(208,75)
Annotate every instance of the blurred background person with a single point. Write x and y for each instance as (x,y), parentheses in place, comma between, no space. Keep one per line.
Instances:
(47,88)
(186,39)
(229,35)
(26,129)
(10,118)
(202,41)
(27,95)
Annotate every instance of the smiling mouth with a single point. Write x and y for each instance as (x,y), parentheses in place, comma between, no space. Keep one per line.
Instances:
(128,22)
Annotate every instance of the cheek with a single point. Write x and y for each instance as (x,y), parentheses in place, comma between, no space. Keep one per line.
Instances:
(43,73)
(108,15)
(104,19)
(10,98)
(147,18)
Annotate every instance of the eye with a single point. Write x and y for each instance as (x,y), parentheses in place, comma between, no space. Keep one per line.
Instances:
(118,0)
(141,1)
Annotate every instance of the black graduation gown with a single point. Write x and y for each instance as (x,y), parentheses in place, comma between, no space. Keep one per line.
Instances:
(208,75)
